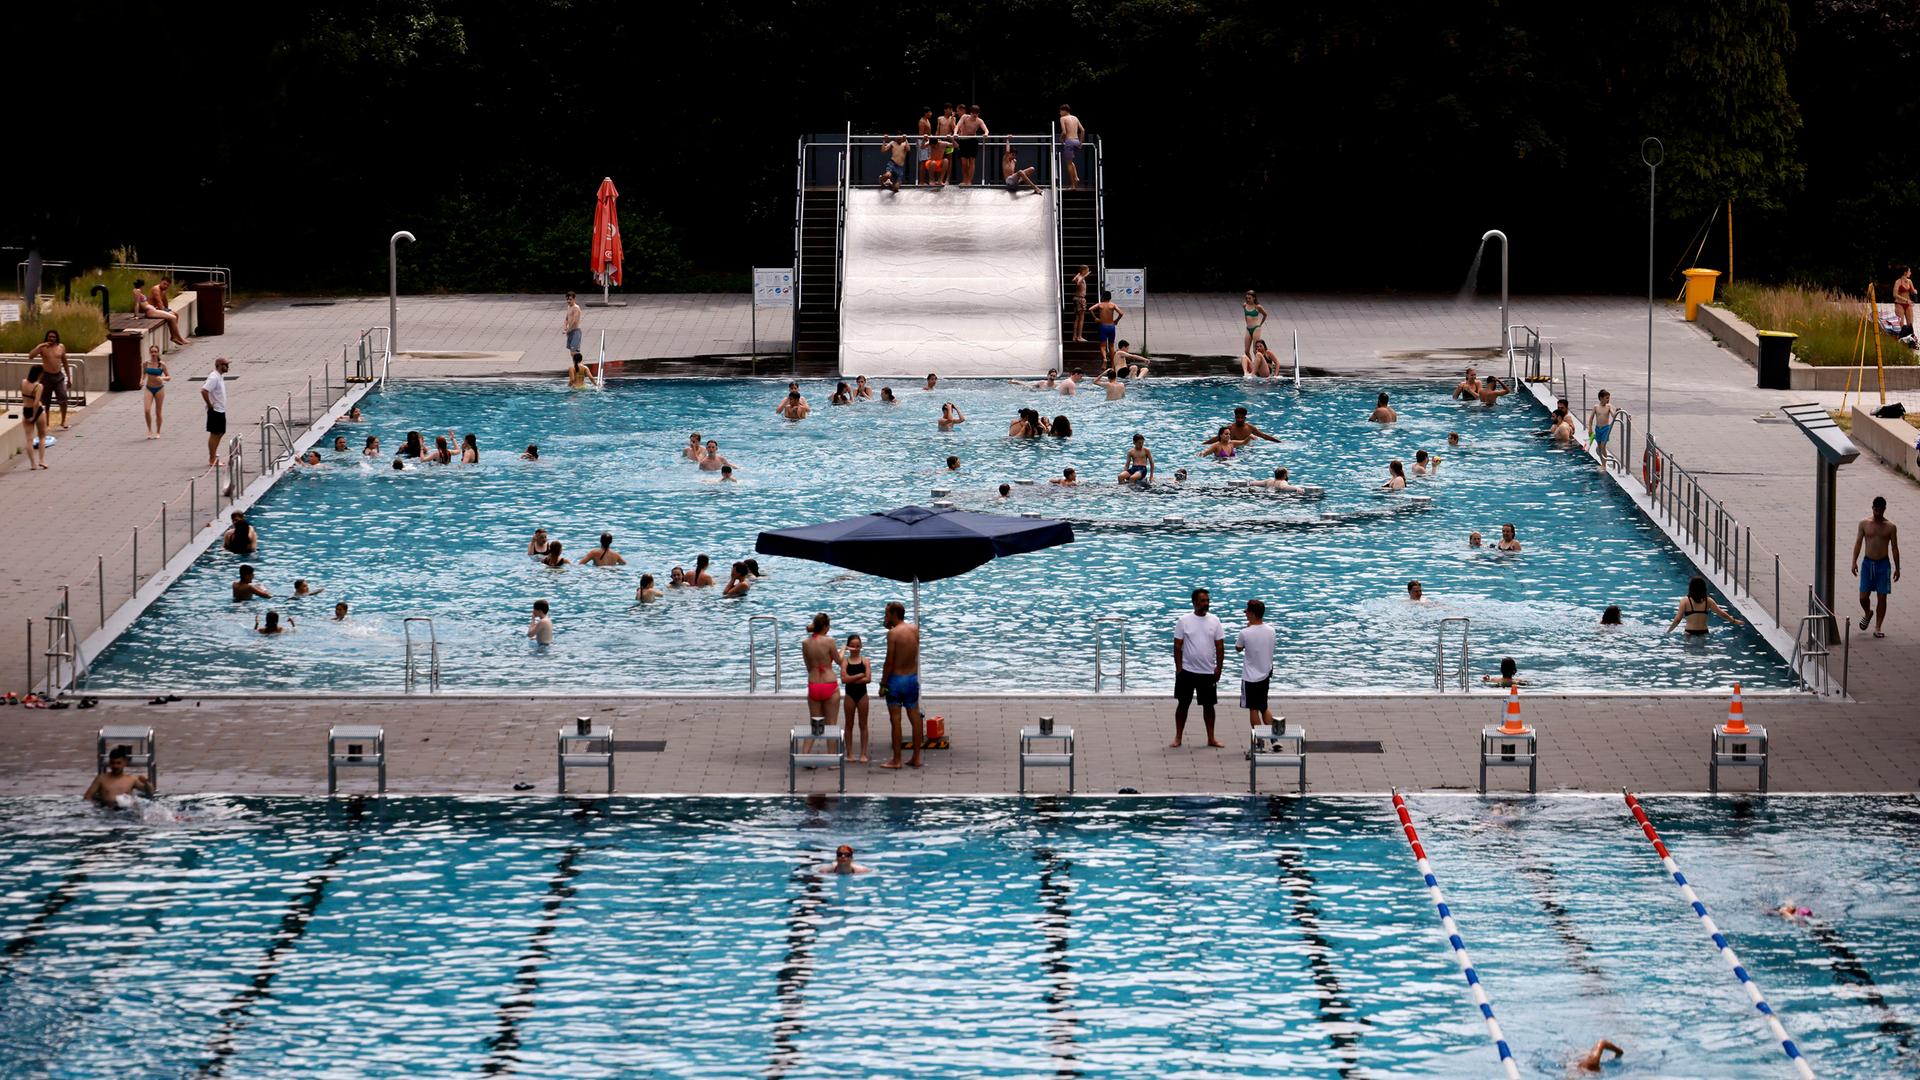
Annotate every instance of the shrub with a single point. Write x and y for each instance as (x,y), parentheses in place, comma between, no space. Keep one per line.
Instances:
(1828,323)
(80,326)
(119,282)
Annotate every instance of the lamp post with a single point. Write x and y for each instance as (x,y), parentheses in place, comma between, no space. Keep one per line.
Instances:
(1506,324)
(393,288)
(1653,152)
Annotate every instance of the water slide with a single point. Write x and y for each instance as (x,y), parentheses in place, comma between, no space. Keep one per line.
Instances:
(954,280)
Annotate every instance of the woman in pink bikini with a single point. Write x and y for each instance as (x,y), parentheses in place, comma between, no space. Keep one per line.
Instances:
(822,654)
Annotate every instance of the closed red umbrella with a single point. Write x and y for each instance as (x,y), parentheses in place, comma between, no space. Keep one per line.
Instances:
(605,261)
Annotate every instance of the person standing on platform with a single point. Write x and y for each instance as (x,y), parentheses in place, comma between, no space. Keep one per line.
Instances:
(1071,134)
(1199,650)
(1080,302)
(1880,539)
(924,147)
(571,327)
(894,169)
(1107,316)
(214,392)
(972,132)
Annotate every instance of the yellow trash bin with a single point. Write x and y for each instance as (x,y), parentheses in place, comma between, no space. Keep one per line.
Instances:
(1699,289)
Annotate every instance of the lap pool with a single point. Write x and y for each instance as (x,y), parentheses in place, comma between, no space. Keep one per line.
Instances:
(1170,937)
(449,543)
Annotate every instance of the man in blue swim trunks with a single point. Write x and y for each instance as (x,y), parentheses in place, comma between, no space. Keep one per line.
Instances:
(1600,423)
(1107,315)
(897,149)
(900,680)
(1880,539)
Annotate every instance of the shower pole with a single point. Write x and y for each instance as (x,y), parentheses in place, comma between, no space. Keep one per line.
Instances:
(1506,341)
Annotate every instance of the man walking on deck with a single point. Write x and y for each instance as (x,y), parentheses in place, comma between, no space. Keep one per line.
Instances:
(571,327)
(1880,539)
(1199,651)
(214,392)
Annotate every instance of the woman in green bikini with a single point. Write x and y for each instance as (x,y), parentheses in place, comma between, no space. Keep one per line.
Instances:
(1256,317)
(156,380)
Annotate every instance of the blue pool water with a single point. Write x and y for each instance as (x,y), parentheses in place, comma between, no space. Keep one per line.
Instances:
(450,542)
(1171,937)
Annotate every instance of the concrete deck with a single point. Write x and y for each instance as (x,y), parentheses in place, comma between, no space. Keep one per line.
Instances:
(106,480)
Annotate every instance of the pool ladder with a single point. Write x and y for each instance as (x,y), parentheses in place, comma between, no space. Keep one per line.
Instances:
(1118,623)
(753,651)
(431,648)
(1445,668)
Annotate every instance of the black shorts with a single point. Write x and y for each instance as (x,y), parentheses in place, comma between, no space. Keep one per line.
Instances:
(1253,695)
(216,422)
(967,146)
(1188,684)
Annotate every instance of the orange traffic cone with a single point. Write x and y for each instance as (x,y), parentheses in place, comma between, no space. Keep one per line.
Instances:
(1736,715)
(1512,725)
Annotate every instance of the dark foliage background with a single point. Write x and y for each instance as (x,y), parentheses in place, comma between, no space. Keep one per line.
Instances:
(1310,145)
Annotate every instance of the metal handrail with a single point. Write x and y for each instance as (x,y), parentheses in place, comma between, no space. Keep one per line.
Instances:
(1100,672)
(433,654)
(840,253)
(1296,358)
(1441,673)
(1531,351)
(753,652)
(76,382)
(269,431)
(1059,223)
(799,218)
(218,273)
(1100,210)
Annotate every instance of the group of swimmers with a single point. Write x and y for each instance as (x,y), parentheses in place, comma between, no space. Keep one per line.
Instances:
(551,553)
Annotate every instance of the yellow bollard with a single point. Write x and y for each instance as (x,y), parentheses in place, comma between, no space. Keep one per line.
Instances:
(1699,289)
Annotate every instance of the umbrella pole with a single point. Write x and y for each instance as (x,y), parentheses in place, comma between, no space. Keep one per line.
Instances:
(916,602)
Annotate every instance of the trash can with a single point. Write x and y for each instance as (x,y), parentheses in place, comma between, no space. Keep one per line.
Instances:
(1776,348)
(210,301)
(123,372)
(1699,289)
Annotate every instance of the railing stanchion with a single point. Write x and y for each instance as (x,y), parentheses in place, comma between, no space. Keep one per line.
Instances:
(100,578)
(1776,592)
(136,559)
(29,654)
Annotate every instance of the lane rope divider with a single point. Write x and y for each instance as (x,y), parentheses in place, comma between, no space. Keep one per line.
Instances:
(1720,941)
(1454,941)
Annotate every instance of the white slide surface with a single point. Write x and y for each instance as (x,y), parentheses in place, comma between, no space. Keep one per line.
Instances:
(956,280)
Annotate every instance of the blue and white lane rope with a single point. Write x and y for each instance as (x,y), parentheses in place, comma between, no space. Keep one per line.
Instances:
(1453,940)
(1720,942)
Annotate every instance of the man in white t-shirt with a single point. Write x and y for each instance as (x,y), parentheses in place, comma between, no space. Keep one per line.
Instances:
(214,393)
(1255,644)
(1199,650)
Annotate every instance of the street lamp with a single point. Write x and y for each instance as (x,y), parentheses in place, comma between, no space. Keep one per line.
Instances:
(1653,152)
(392,289)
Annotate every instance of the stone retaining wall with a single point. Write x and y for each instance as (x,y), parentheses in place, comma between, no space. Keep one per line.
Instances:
(1739,338)
(1891,440)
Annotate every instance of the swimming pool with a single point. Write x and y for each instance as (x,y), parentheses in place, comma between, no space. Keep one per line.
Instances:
(1178,937)
(450,543)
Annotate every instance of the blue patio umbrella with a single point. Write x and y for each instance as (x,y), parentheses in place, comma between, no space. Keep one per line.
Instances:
(915,543)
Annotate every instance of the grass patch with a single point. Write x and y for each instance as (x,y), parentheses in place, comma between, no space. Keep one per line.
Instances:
(80,326)
(119,282)
(1827,333)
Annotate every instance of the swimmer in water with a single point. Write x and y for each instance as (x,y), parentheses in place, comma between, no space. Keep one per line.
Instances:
(700,576)
(1048,383)
(1508,542)
(726,475)
(677,579)
(713,460)
(738,582)
(1006,491)
(353,416)
(794,407)
(540,629)
(301,588)
(1396,476)
(1695,607)
(339,444)
(1453,440)
(1424,464)
(553,558)
(578,377)
(1473,539)
(1242,431)
(1592,1061)
(110,788)
(842,395)
(532,453)
(1793,912)
(861,391)
(1383,413)
(1509,675)
(1278,483)
(1415,594)
(953,463)
(1491,391)
(372,448)
(843,863)
(886,396)
(272,625)
(340,611)
(1468,388)
(932,381)
(1067,478)
(1220,447)
(951,417)
(693,451)
(1611,616)
(537,547)
(1138,467)
(646,593)
(604,555)
(246,588)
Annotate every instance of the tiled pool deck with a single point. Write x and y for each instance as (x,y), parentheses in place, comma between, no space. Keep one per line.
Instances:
(106,478)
